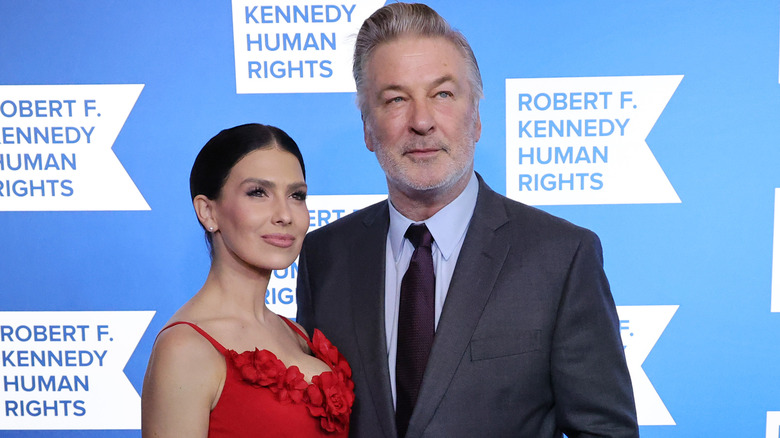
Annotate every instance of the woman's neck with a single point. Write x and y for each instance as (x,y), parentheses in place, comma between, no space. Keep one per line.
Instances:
(239,289)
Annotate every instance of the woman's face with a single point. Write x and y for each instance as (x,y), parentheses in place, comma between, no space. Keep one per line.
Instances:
(261,216)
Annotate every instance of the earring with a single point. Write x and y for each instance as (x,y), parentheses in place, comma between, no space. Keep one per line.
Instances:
(211,229)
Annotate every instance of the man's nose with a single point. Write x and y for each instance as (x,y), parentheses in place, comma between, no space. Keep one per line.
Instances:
(421,118)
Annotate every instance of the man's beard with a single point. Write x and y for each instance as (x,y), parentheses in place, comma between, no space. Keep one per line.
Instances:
(400,173)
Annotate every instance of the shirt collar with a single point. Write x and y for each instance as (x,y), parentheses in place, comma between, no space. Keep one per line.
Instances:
(447,226)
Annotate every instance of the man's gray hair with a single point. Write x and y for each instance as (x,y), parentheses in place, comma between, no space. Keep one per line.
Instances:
(399,19)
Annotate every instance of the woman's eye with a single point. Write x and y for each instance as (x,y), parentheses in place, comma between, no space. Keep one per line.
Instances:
(300,196)
(257,192)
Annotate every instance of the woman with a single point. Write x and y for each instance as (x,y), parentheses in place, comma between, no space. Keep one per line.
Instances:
(225,365)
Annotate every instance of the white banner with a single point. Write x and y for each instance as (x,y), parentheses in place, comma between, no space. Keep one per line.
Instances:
(773,424)
(582,140)
(55,148)
(64,370)
(323,209)
(296,46)
(640,328)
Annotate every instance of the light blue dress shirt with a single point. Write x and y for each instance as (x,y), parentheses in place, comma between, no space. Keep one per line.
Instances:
(448,227)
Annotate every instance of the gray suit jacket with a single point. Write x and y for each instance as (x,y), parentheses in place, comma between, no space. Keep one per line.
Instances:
(527,345)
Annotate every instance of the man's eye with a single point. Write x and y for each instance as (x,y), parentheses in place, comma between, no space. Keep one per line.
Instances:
(443,94)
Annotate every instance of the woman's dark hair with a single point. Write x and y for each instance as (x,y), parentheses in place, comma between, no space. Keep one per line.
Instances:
(215,161)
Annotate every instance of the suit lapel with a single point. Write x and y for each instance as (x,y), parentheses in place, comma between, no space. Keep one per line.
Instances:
(369,317)
(479,262)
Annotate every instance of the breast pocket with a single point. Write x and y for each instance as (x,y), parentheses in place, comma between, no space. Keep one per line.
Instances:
(502,346)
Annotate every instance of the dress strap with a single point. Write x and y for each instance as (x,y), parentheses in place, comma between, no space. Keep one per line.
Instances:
(208,337)
(297,330)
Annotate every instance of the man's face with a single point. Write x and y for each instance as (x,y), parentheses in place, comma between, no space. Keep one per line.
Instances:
(422,120)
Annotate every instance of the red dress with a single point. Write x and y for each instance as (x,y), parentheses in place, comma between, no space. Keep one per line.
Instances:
(263,398)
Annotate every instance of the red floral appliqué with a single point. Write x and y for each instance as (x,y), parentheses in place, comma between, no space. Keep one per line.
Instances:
(329,396)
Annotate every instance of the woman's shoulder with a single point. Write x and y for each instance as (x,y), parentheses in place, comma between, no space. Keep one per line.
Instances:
(183,380)
(182,348)
(181,356)
(190,327)
(181,336)
(185,337)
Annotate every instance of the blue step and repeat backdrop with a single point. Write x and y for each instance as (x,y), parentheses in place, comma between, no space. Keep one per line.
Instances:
(654,123)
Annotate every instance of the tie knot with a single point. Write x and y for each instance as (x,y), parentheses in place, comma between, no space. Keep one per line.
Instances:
(419,235)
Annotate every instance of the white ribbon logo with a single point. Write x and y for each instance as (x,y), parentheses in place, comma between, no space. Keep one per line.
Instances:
(640,328)
(582,140)
(63,370)
(55,148)
(296,46)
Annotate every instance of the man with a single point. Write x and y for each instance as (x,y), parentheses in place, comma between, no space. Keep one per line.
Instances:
(526,337)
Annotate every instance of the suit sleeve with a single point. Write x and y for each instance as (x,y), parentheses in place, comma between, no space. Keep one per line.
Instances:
(590,379)
(305,313)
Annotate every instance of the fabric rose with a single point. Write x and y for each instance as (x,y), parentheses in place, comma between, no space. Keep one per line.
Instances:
(290,386)
(343,370)
(331,356)
(332,400)
(315,399)
(258,367)
(241,360)
(326,350)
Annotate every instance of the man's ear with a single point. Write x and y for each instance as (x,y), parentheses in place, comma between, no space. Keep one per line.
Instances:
(477,128)
(367,136)
(204,208)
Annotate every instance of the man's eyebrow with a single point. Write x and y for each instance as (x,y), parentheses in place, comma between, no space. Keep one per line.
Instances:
(443,79)
(434,84)
(391,87)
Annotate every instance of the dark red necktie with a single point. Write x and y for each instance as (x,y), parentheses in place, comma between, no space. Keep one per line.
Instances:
(415,324)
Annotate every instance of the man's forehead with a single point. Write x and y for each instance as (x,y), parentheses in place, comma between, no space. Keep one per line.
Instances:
(416,41)
(415,52)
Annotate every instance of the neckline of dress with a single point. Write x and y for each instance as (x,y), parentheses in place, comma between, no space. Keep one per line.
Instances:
(286,367)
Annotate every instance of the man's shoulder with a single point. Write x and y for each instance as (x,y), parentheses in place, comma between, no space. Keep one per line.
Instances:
(530,218)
